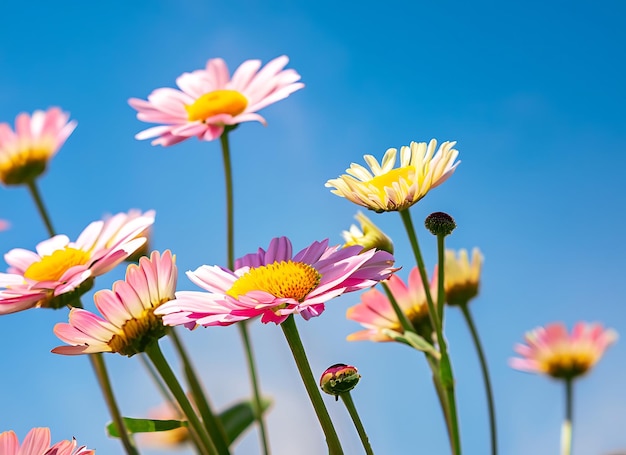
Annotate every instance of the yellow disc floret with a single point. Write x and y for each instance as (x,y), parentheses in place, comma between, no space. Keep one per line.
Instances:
(229,102)
(288,279)
(53,266)
(137,333)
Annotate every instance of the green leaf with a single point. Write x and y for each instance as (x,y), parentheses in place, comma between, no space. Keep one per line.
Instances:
(413,340)
(145,426)
(239,417)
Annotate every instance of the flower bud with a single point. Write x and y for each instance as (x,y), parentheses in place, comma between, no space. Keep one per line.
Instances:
(440,223)
(339,378)
(369,236)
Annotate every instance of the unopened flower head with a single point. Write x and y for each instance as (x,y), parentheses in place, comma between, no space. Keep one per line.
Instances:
(339,379)
(275,283)
(376,314)
(385,188)
(60,271)
(25,152)
(462,277)
(210,99)
(37,442)
(129,323)
(552,351)
(440,223)
(369,236)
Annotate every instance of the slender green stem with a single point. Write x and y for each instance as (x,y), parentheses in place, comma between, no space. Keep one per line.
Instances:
(243,327)
(213,425)
(402,317)
(97,362)
(445,367)
(206,445)
(347,400)
(441,294)
(434,367)
(34,192)
(566,429)
(485,371)
(295,344)
(157,380)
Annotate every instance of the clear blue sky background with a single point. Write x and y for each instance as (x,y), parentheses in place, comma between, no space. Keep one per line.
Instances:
(534,94)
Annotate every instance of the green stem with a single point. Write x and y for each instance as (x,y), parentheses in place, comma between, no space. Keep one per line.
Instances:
(243,327)
(295,344)
(485,371)
(347,400)
(212,424)
(445,367)
(404,320)
(441,294)
(34,192)
(206,445)
(97,362)
(434,367)
(157,380)
(566,429)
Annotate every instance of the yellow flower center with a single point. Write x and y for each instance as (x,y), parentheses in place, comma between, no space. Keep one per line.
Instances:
(138,333)
(281,279)
(53,266)
(26,163)
(217,102)
(567,364)
(389,178)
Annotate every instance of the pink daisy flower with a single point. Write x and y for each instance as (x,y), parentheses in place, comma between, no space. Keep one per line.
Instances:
(210,99)
(24,154)
(275,283)
(552,351)
(37,442)
(129,323)
(376,314)
(60,271)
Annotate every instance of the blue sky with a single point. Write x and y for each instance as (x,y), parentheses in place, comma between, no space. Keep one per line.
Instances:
(533,93)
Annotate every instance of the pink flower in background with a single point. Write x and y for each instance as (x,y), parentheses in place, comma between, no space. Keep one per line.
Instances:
(25,152)
(129,323)
(37,442)
(46,278)
(274,284)
(552,351)
(376,314)
(4,225)
(210,99)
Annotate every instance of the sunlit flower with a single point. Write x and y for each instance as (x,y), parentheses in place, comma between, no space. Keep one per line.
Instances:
(25,152)
(210,99)
(552,351)
(61,271)
(376,314)
(274,284)
(462,277)
(37,442)
(129,322)
(369,235)
(4,225)
(385,188)
(115,222)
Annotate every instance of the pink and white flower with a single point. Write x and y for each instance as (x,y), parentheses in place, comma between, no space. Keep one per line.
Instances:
(275,283)
(25,152)
(37,442)
(376,314)
(210,99)
(46,278)
(129,323)
(552,351)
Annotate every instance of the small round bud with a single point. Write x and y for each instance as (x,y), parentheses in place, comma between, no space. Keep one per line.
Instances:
(339,378)
(440,223)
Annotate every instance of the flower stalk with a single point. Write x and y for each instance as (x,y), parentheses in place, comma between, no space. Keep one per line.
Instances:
(349,403)
(566,429)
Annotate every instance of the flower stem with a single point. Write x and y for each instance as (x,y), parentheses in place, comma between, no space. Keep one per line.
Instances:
(445,366)
(243,328)
(97,362)
(566,429)
(483,366)
(441,294)
(212,424)
(295,344)
(206,445)
(34,192)
(404,320)
(347,400)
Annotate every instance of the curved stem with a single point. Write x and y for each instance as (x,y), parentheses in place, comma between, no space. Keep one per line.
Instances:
(243,328)
(34,192)
(485,371)
(295,344)
(212,424)
(347,400)
(404,320)
(566,429)
(434,367)
(195,425)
